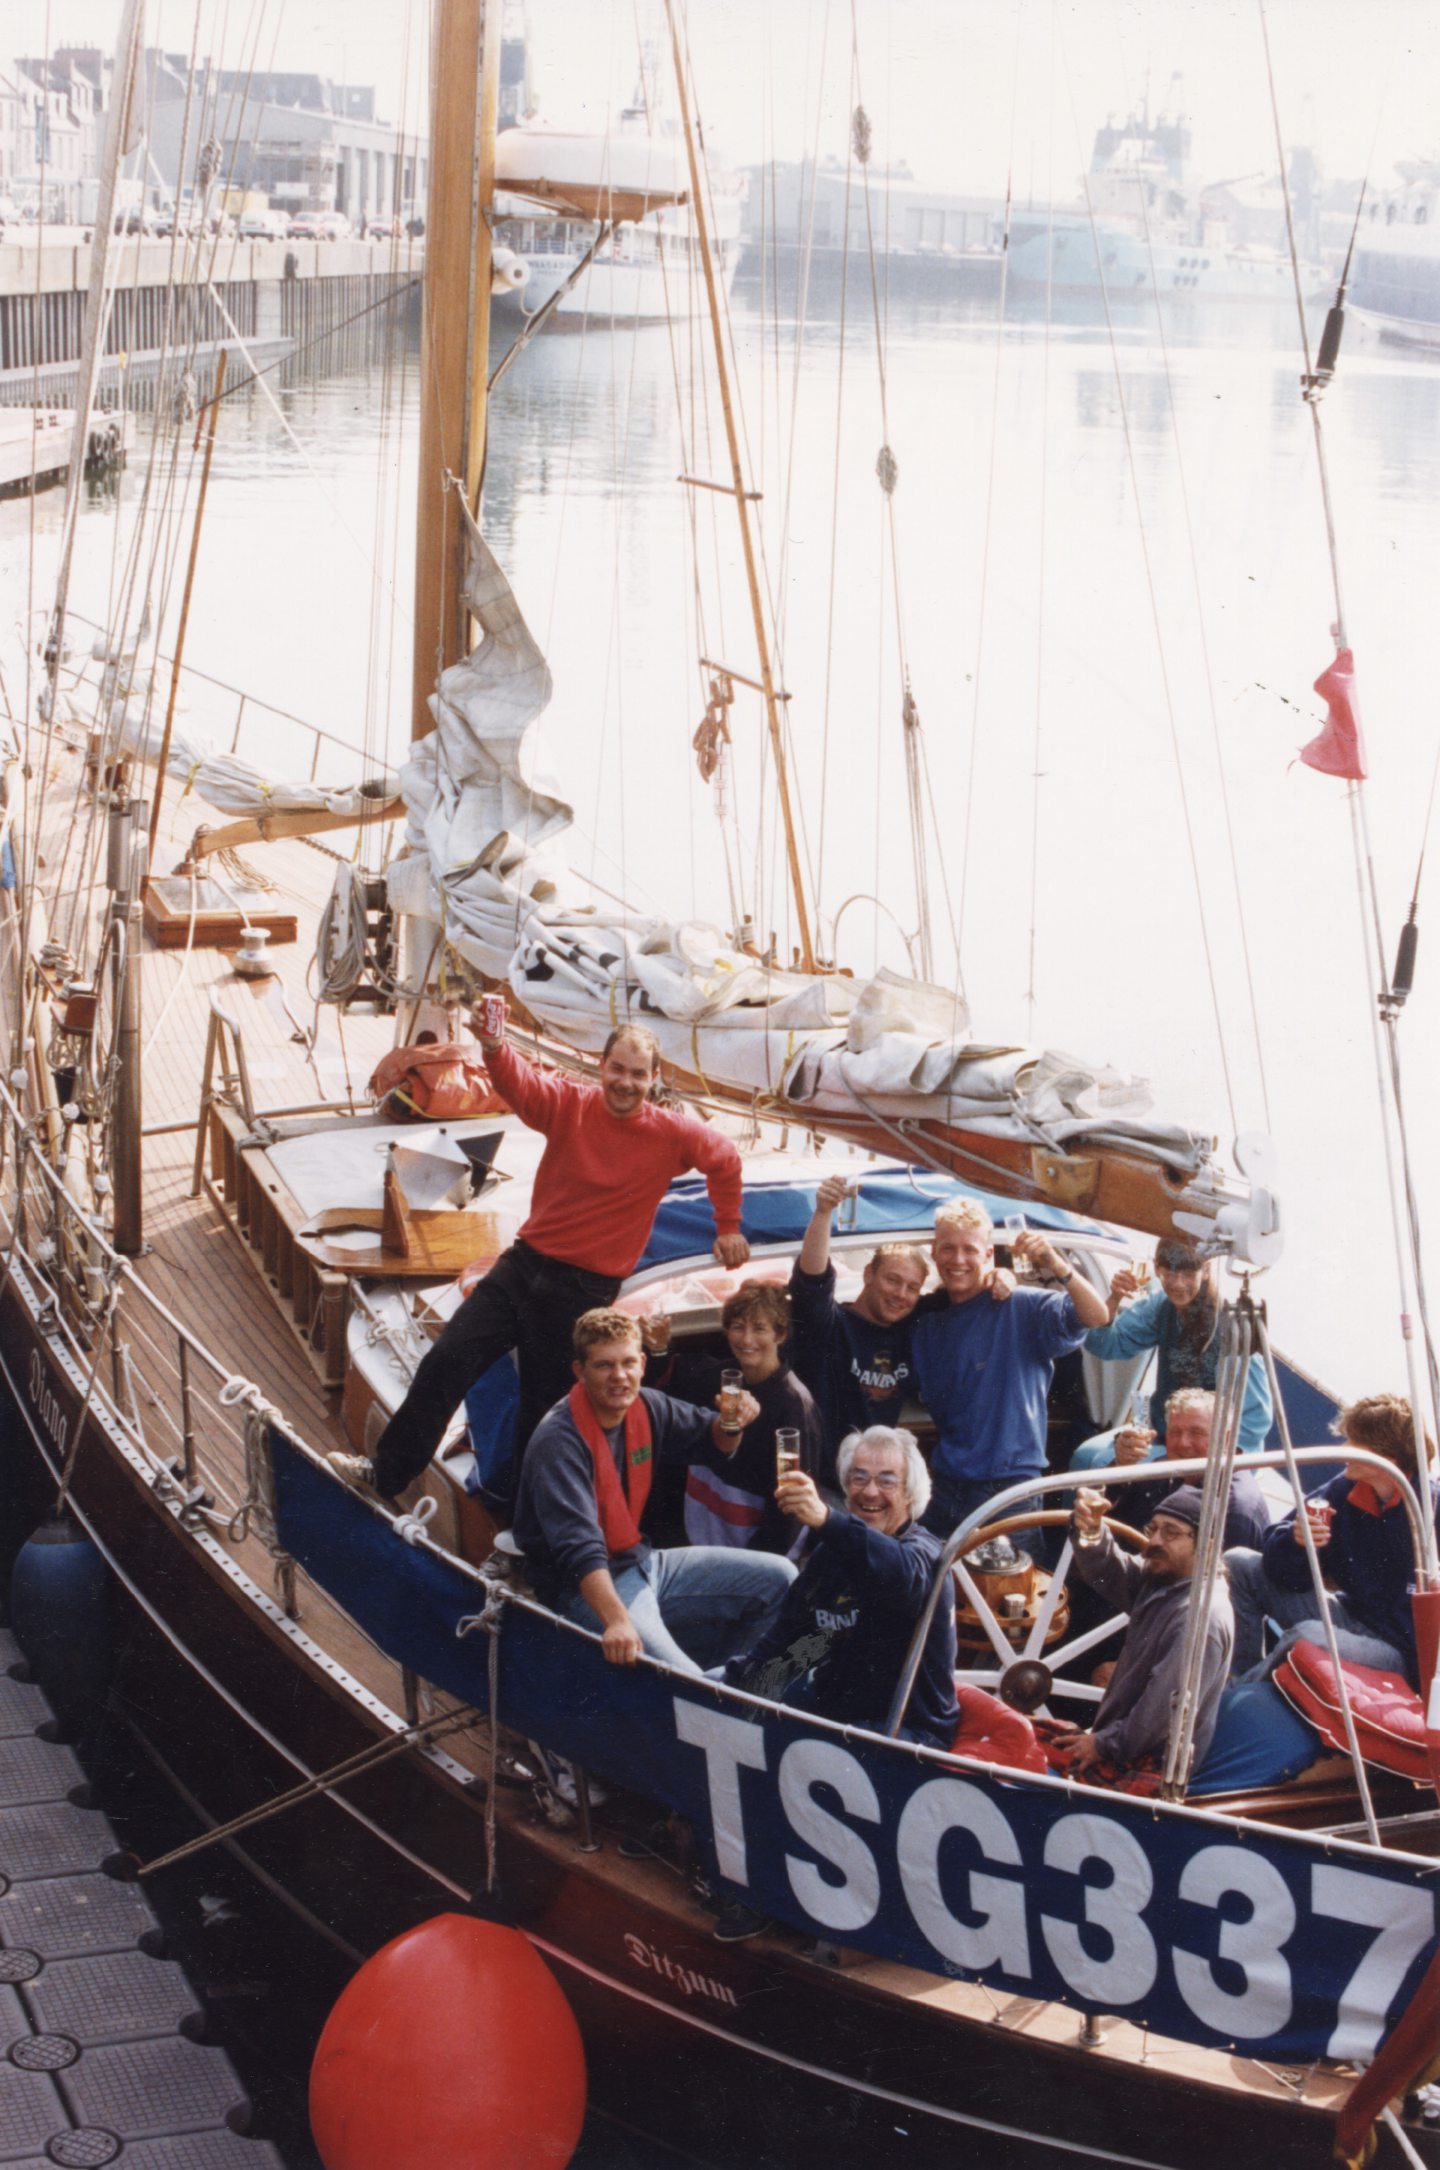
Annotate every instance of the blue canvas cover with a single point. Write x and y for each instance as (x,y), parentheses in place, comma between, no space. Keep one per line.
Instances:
(890,1202)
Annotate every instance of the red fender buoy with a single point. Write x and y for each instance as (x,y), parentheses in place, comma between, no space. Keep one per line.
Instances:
(455,2045)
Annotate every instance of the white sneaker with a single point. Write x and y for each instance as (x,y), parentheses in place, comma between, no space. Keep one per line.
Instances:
(356,1469)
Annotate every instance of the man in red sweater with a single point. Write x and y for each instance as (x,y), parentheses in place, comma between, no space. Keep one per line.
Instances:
(610,1156)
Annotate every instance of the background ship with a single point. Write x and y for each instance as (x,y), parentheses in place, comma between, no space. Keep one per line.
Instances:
(1395,277)
(1145,227)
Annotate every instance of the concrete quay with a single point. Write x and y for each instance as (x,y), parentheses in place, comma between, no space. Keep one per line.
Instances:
(175,303)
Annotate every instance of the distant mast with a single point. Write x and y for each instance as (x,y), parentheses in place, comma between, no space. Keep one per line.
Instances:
(455,328)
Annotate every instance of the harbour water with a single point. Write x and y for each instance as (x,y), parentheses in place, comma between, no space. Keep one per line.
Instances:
(1110,560)
(1113,583)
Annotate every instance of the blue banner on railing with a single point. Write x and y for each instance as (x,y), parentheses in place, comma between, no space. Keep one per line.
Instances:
(1278,1944)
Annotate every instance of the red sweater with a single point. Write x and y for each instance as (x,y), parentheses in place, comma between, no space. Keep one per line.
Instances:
(602,1176)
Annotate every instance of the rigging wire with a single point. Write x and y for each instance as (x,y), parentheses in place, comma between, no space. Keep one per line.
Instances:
(26,875)
(1161,653)
(687,305)
(982,616)
(1041,546)
(826,710)
(727,357)
(887,473)
(1207,665)
(1386,1013)
(124,611)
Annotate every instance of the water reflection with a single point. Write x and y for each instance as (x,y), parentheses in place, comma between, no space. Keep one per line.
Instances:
(1059,700)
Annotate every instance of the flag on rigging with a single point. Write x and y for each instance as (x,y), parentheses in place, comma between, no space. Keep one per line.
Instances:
(1338,750)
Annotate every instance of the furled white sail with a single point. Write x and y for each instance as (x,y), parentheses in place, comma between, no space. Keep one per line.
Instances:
(481,866)
(130,715)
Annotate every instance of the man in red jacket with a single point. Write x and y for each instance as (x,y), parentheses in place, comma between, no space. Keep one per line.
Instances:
(610,1156)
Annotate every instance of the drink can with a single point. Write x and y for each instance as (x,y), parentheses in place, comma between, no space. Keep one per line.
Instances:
(492,1017)
(1322,1514)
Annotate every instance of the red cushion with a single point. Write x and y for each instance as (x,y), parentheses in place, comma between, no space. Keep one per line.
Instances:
(1389,1717)
(992,1732)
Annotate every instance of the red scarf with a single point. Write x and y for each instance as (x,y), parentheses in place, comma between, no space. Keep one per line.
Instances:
(619,1511)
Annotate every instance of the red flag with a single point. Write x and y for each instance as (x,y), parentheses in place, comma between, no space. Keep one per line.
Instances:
(1339,750)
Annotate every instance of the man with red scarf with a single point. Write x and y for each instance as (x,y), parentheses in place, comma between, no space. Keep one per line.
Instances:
(579,1512)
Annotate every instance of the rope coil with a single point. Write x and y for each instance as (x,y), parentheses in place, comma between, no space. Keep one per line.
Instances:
(256,1512)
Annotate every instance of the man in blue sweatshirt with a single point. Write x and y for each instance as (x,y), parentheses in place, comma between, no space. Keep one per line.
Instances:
(1362,1537)
(985,1368)
(855,1357)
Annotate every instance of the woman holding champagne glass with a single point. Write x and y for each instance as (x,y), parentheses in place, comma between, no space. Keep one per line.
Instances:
(730,1498)
(1179,1317)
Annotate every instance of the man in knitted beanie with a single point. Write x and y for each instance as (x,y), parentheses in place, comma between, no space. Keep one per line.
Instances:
(1132,1725)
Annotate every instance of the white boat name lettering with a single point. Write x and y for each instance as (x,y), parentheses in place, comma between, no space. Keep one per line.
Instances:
(685,1978)
(1244,1990)
(46,1403)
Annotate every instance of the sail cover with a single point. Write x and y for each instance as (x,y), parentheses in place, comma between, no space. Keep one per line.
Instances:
(129,713)
(482,866)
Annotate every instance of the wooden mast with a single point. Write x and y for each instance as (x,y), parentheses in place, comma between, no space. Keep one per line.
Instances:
(455,331)
(737,477)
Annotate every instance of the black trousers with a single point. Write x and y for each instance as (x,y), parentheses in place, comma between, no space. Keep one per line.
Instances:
(526,1302)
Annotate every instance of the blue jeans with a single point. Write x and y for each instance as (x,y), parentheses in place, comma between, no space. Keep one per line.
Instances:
(1256,1599)
(714,1600)
(952,1500)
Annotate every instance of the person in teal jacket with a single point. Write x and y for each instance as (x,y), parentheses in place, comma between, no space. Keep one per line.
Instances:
(1180,1319)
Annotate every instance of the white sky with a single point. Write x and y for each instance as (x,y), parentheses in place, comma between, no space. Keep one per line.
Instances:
(962,89)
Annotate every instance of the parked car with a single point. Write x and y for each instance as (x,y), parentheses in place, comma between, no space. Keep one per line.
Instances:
(305,226)
(263,226)
(137,220)
(384,229)
(334,226)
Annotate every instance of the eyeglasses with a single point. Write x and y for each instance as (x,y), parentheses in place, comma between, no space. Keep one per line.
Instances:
(858,1479)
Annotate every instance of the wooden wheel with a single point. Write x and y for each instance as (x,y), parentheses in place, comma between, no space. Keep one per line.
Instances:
(1047,1646)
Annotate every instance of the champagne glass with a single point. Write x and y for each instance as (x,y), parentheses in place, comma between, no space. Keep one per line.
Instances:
(787,1452)
(1082,1538)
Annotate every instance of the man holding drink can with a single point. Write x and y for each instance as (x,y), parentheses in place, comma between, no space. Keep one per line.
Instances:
(610,1156)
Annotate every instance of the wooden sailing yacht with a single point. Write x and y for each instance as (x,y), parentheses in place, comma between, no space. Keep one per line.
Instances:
(964,1954)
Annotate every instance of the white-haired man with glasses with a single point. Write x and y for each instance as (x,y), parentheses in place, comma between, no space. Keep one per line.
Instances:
(838,1644)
